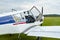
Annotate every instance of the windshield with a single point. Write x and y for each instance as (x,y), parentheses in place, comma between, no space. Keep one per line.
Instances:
(28,16)
(34,11)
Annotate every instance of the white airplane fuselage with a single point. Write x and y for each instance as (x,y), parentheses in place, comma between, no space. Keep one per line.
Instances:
(8,25)
(18,21)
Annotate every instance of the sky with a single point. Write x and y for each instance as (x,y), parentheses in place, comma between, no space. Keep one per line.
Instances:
(50,6)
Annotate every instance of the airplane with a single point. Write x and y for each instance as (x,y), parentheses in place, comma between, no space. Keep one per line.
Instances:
(20,21)
(28,22)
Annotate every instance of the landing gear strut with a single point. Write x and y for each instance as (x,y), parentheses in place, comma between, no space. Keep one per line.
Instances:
(19,37)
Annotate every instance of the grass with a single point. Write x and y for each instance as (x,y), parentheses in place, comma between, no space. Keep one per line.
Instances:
(48,21)
(51,21)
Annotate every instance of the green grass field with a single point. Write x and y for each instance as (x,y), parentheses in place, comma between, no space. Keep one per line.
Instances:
(48,21)
(51,21)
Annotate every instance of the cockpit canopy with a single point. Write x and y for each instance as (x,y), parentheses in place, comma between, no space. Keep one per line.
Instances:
(24,17)
(28,16)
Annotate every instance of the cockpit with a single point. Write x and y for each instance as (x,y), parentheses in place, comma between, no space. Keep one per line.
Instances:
(24,17)
(29,16)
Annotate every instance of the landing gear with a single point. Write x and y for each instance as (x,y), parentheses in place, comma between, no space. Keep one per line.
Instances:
(19,37)
(10,34)
(38,38)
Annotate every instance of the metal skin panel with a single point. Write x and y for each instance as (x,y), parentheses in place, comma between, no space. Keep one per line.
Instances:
(6,19)
(45,31)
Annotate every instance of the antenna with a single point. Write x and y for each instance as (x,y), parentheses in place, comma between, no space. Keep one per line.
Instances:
(13,10)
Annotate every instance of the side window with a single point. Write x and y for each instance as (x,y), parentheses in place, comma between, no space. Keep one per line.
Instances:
(17,17)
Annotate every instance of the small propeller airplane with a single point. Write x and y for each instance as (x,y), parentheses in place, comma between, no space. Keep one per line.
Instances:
(28,22)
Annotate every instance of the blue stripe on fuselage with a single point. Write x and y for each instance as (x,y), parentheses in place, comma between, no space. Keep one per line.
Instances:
(6,20)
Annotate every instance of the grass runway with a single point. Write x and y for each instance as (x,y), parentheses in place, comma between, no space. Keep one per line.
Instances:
(48,21)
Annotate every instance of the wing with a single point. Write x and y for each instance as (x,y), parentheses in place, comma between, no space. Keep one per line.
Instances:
(12,29)
(45,31)
(19,28)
